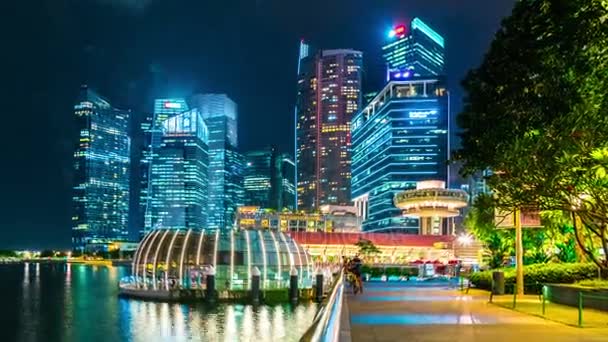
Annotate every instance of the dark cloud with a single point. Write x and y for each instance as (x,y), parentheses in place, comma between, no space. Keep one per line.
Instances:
(135,5)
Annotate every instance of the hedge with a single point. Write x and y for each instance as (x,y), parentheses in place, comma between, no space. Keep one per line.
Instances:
(566,273)
(376,272)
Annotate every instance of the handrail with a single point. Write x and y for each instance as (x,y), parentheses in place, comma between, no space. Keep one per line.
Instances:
(326,325)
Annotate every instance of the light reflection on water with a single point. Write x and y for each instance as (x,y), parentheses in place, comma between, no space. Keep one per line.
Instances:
(59,302)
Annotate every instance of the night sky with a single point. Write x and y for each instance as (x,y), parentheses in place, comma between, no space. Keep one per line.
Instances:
(131,51)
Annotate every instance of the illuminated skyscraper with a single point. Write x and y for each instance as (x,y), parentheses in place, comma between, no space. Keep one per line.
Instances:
(329,93)
(152,130)
(178,182)
(288,187)
(262,181)
(101,171)
(415,49)
(225,163)
(399,138)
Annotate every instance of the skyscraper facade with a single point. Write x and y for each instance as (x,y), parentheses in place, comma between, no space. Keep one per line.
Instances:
(225,162)
(288,187)
(262,178)
(399,138)
(178,182)
(101,171)
(329,93)
(415,49)
(152,131)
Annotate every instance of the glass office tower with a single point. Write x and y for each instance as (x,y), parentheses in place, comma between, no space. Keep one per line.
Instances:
(152,130)
(415,49)
(262,181)
(101,171)
(329,93)
(225,163)
(178,174)
(288,187)
(400,138)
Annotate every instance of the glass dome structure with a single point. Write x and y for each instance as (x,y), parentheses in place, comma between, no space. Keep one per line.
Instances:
(169,259)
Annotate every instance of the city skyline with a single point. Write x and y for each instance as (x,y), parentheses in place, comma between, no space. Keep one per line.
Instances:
(50,225)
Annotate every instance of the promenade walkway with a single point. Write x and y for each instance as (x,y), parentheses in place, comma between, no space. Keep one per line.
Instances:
(432,311)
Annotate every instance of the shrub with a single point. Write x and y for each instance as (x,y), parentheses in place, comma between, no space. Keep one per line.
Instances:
(538,273)
(376,272)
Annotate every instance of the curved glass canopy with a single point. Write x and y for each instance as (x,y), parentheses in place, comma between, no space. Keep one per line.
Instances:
(180,259)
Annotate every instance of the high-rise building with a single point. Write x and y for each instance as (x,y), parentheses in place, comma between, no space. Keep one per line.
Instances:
(399,138)
(152,131)
(262,178)
(329,93)
(101,171)
(225,163)
(415,49)
(288,187)
(268,180)
(178,183)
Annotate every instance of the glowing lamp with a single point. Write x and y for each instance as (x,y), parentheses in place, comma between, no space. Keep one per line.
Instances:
(399,30)
(398,75)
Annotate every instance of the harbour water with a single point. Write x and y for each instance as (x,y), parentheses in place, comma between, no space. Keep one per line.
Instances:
(73,302)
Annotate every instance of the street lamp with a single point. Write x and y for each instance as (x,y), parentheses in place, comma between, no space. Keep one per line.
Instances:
(465,240)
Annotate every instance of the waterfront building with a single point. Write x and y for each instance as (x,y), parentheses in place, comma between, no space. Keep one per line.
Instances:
(399,138)
(179,174)
(100,198)
(225,162)
(188,253)
(415,49)
(433,205)
(329,93)
(336,220)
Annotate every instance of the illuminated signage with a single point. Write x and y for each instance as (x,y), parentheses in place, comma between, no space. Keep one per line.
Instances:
(422,114)
(398,31)
(173,105)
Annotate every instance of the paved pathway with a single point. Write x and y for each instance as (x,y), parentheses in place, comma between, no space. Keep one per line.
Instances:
(421,311)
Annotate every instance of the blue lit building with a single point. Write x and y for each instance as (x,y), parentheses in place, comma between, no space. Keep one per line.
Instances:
(399,138)
(152,130)
(178,183)
(225,162)
(288,185)
(101,172)
(416,48)
(262,178)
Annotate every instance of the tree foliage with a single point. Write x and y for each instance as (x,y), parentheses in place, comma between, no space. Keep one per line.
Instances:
(537,114)
(367,248)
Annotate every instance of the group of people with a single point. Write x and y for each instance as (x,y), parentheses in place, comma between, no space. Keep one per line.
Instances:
(352,269)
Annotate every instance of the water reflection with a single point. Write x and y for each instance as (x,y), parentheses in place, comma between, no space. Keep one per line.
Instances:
(71,302)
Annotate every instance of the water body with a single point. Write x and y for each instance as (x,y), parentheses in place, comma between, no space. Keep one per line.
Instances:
(70,302)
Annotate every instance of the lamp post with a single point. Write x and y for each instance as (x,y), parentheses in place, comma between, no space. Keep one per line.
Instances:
(519,254)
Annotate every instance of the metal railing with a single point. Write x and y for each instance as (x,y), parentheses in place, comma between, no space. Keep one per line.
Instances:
(326,325)
(580,303)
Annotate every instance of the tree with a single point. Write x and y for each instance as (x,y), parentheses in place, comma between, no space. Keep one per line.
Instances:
(537,114)
(480,223)
(367,248)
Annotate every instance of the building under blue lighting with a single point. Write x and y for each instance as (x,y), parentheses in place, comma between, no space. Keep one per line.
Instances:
(416,49)
(101,172)
(225,162)
(262,181)
(152,131)
(178,183)
(399,138)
